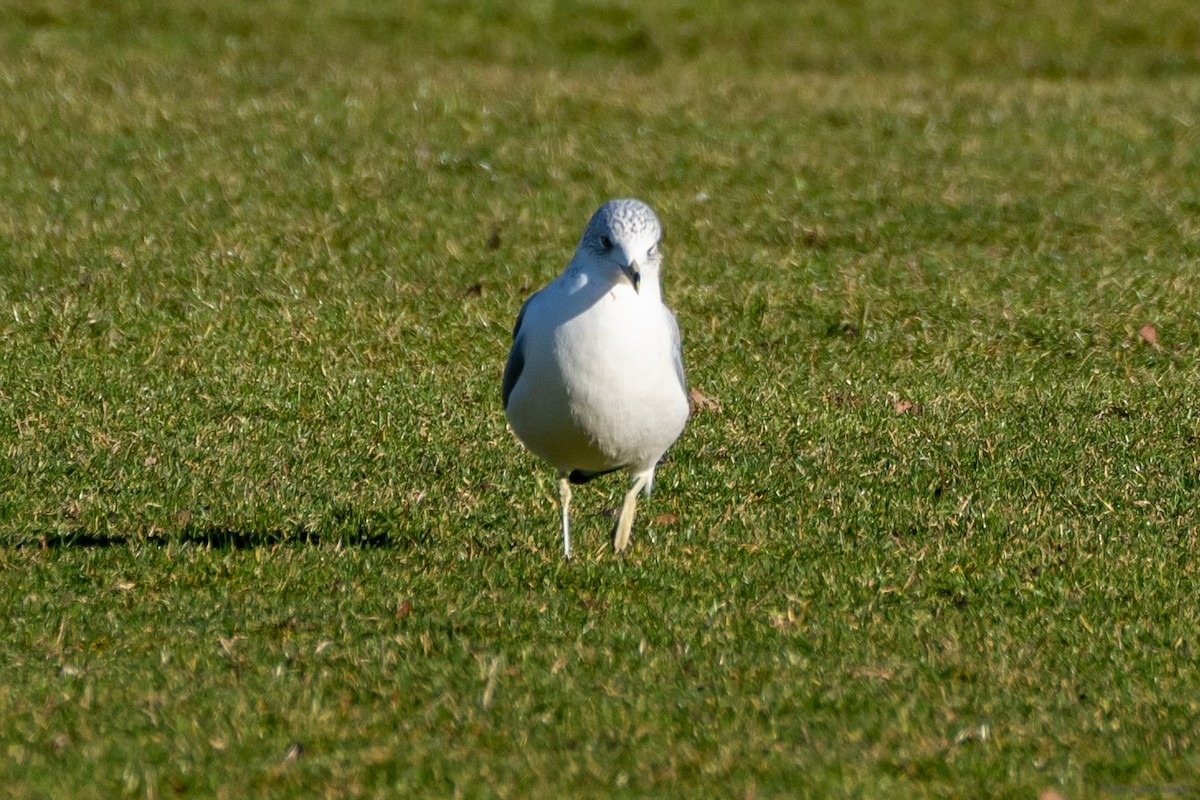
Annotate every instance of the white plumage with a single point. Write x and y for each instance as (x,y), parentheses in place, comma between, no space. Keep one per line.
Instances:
(594,382)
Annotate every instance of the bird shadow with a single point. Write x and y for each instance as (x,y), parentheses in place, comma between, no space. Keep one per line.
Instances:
(223,537)
(77,541)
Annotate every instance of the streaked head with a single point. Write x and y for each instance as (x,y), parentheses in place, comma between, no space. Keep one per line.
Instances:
(624,234)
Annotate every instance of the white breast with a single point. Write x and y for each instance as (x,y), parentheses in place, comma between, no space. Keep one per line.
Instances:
(600,388)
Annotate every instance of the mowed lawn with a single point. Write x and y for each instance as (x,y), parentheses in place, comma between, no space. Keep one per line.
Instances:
(931,532)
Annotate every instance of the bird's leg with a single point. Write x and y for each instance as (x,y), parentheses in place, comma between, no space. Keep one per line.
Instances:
(625,518)
(564,502)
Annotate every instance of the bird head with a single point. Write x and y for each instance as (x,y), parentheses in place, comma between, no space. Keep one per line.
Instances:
(622,241)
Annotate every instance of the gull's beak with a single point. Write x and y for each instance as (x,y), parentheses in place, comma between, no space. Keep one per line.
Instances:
(635,275)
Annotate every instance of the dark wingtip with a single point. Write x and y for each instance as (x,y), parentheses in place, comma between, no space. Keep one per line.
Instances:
(578,476)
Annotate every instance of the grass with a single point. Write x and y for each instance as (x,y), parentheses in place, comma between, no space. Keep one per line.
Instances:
(263,530)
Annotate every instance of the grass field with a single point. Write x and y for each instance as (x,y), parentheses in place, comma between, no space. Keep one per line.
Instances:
(263,531)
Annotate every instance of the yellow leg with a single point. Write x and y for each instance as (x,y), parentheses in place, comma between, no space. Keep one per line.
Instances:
(564,502)
(625,520)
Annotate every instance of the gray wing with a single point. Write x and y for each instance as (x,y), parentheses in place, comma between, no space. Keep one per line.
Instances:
(516,356)
(677,346)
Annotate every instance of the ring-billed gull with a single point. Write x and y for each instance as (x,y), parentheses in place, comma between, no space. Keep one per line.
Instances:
(594,381)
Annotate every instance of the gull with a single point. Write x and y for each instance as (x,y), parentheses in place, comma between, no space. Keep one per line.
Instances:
(594,380)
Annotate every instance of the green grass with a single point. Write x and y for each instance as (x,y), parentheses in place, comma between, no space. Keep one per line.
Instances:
(263,531)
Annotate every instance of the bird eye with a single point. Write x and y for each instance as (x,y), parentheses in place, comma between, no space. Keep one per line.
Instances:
(606,242)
